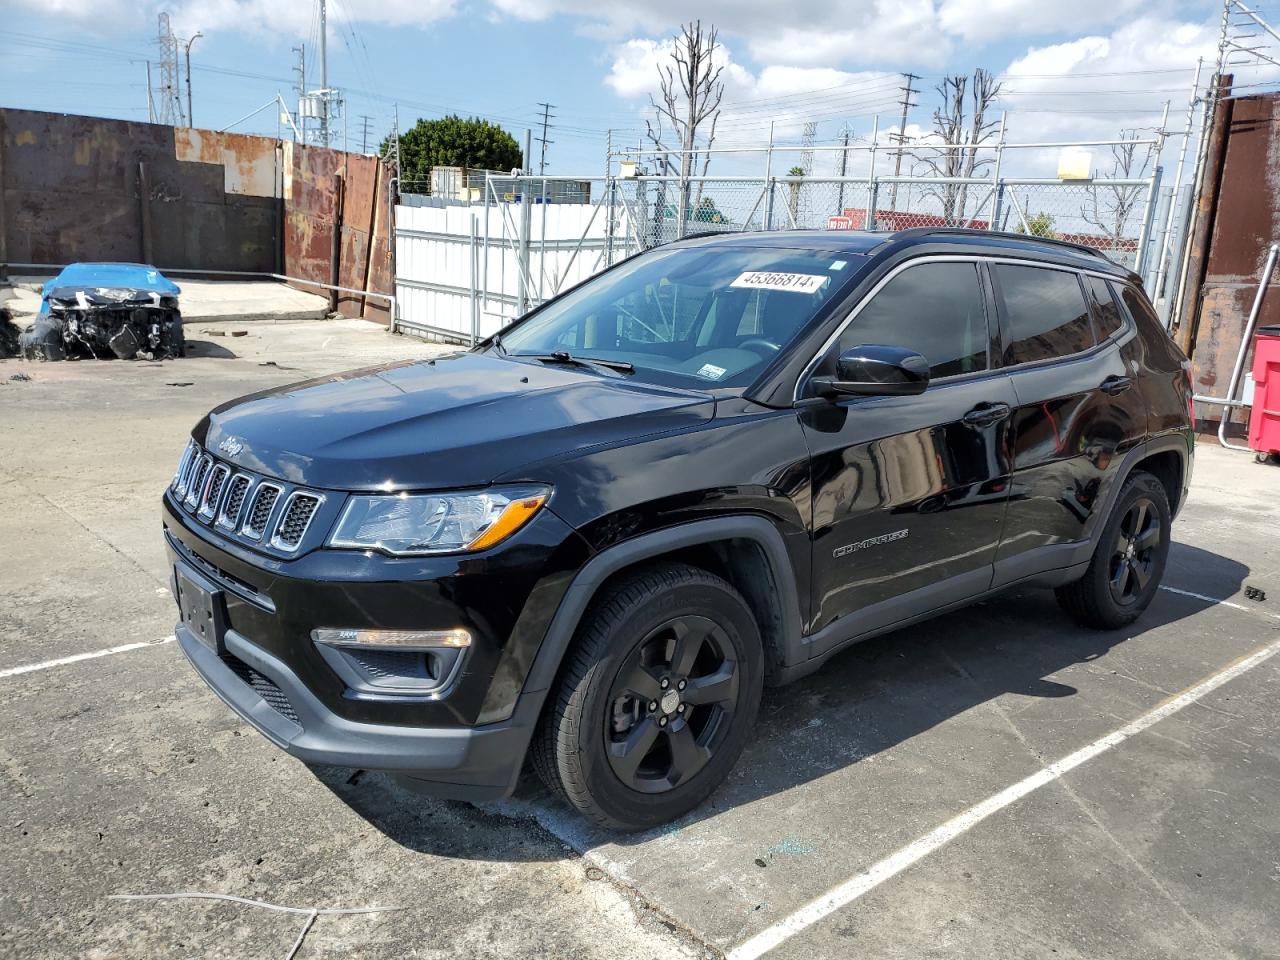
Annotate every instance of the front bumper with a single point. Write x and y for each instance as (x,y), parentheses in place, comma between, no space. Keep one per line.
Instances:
(468,744)
(471,763)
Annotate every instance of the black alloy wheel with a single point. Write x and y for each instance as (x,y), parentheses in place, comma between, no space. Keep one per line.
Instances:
(671,704)
(656,699)
(1135,551)
(1128,562)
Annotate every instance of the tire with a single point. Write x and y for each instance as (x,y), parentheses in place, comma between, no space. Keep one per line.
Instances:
(1129,561)
(622,740)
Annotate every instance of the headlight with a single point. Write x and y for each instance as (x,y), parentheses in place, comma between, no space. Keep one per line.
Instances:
(413,524)
(117,293)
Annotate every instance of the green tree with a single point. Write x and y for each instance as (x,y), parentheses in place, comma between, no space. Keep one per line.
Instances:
(453,142)
(1041,225)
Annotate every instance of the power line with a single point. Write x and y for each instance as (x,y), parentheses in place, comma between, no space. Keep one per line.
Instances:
(365,120)
(546,117)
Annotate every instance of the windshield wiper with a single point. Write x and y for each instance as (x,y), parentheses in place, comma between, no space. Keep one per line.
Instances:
(563,356)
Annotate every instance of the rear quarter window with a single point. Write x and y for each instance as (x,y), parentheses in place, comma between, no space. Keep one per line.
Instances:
(1045,314)
(1107,313)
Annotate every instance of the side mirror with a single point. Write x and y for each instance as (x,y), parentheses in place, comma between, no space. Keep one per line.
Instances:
(873,370)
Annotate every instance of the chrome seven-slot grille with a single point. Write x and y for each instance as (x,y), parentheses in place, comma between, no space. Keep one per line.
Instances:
(241,504)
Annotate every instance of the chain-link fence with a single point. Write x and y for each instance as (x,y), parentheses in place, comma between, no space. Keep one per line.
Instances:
(1108,215)
(523,238)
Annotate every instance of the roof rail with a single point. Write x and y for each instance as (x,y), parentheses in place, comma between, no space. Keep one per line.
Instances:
(965,231)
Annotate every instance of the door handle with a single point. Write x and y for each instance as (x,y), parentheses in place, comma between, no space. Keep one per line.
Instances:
(1116,385)
(985,414)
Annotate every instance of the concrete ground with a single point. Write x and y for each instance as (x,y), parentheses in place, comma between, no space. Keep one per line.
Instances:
(201,300)
(123,774)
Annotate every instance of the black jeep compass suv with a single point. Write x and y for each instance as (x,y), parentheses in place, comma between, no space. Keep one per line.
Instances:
(591,539)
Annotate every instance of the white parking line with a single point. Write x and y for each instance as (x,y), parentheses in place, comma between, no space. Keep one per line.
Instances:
(76,658)
(1220,603)
(895,863)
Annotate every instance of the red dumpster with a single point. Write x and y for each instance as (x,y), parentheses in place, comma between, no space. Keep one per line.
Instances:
(1264,422)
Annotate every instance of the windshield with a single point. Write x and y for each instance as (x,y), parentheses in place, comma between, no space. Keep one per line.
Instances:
(691,316)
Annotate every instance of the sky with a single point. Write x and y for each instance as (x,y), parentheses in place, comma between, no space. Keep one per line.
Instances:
(1084,70)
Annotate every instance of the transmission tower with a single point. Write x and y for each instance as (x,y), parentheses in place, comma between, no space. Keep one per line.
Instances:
(1246,39)
(170,105)
(806,155)
(546,118)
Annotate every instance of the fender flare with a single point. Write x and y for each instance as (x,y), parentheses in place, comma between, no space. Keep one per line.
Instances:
(1073,556)
(587,582)
(1169,443)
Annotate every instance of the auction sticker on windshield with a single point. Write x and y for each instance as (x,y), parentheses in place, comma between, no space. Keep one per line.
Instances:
(765,280)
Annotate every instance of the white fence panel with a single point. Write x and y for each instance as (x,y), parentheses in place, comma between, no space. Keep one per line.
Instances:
(435,285)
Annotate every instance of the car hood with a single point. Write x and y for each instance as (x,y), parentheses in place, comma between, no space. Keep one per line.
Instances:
(103,283)
(454,421)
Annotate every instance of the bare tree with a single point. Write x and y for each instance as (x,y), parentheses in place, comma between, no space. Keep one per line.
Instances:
(1109,208)
(691,92)
(962,125)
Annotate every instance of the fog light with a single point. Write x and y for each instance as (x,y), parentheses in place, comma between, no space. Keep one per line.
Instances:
(394,663)
(394,639)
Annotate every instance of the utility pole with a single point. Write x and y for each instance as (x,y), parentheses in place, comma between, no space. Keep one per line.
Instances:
(324,77)
(301,68)
(191,122)
(546,117)
(151,103)
(396,132)
(365,120)
(844,166)
(901,136)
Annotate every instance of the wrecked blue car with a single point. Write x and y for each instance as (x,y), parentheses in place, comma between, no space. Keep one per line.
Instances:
(104,310)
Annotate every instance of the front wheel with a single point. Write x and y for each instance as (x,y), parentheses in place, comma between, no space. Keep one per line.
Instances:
(1129,561)
(658,696)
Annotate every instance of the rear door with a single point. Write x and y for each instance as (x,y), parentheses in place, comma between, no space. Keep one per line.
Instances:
(909,492)
(1077,411)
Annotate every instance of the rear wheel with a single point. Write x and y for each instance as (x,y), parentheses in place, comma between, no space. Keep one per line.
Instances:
(1129,561)
(658,696)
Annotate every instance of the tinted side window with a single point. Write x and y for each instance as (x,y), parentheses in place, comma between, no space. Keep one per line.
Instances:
(935,309)
(1045,313)
(1107,311)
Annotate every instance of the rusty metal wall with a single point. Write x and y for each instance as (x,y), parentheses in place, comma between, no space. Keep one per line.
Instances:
(334,203)
(1245,221)
(87,188)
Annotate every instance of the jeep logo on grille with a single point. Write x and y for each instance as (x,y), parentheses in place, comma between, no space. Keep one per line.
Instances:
(231,446)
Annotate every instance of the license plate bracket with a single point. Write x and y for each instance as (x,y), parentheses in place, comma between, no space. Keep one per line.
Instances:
(201,608)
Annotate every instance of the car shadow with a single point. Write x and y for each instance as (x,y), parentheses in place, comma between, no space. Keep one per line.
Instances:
(865,701)
(203,348)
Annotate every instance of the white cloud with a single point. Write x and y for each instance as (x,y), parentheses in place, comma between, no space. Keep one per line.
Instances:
(295,18)
(884,32)
(96,16)
(980,21)
(1093,87)
(1107,81)
(805,32)
(779,94)
(290,18)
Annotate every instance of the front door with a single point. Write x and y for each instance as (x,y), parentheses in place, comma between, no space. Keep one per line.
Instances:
(909,492)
